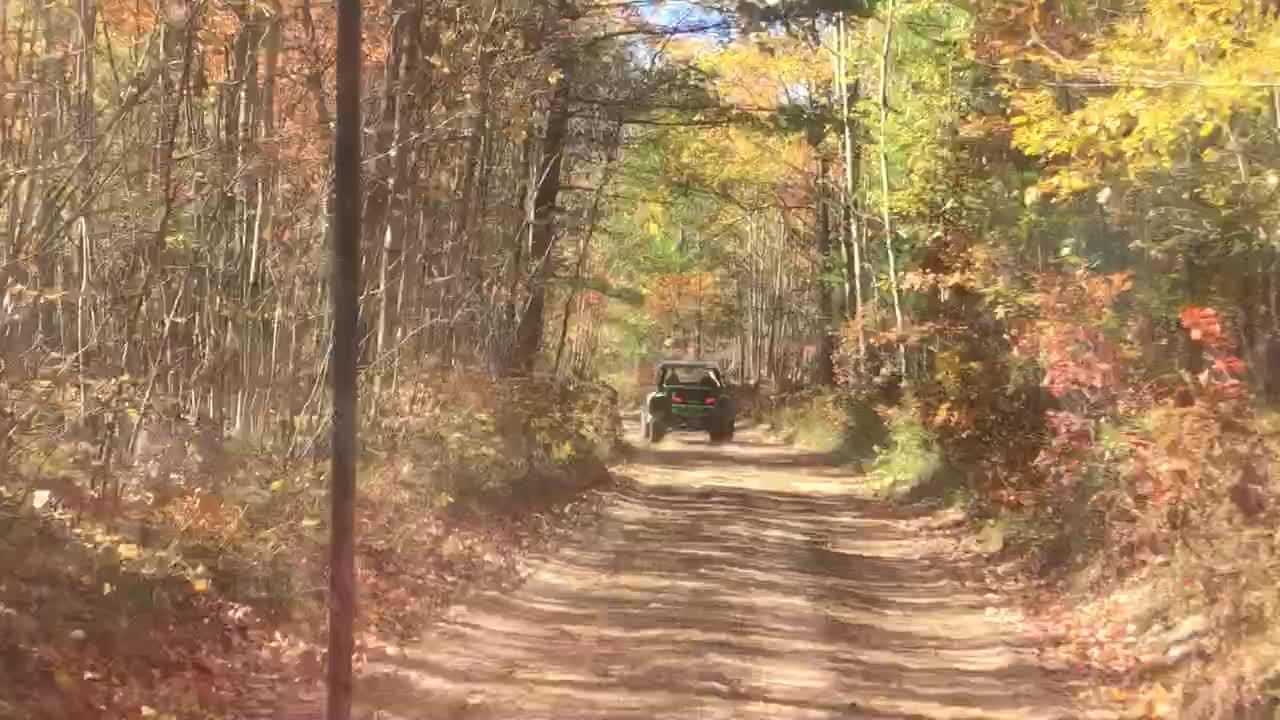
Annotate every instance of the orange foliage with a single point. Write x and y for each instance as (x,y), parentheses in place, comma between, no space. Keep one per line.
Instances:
(679,293)
(131,20)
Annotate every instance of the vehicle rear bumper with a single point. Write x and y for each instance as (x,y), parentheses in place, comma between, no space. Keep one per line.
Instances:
(690,419)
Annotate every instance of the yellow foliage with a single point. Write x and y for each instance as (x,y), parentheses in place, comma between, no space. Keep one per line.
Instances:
(763,74)
(1177,74)
(750,163)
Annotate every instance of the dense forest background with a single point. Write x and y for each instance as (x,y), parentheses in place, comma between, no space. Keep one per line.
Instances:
(580,190)
(1019,254)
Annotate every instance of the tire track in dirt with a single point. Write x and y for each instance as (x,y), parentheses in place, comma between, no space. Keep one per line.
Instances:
(736,581)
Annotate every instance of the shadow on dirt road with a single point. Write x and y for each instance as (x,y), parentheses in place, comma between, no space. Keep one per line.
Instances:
(736,581)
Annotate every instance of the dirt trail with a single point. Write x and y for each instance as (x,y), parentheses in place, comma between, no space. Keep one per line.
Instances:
(725,582)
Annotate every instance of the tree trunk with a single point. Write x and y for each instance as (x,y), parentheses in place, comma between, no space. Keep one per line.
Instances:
(824,374)
(884,182)
(578,271)
(396,110)
(89,138)
(543,235)
(852,180)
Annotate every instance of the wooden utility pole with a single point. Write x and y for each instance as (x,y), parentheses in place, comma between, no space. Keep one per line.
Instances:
(346,311)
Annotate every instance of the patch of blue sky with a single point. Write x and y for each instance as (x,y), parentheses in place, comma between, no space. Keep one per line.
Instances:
(686,19)
(680,14)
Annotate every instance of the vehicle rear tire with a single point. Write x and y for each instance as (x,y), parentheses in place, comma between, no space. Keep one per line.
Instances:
(656,431)
(650,430)
(722,434)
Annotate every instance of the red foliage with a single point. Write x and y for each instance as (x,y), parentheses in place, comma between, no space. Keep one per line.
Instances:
(1070,438)
(1080,362)
(1203,325)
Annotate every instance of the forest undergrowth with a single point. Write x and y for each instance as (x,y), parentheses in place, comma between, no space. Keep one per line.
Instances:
(1133,521)
(192,583)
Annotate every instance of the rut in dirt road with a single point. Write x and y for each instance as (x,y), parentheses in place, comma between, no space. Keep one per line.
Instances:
(741,581)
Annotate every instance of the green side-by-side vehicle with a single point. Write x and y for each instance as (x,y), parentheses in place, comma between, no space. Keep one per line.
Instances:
(690,395)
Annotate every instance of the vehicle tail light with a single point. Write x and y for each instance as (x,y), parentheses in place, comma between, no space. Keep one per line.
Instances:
(711,401)
(677,399)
